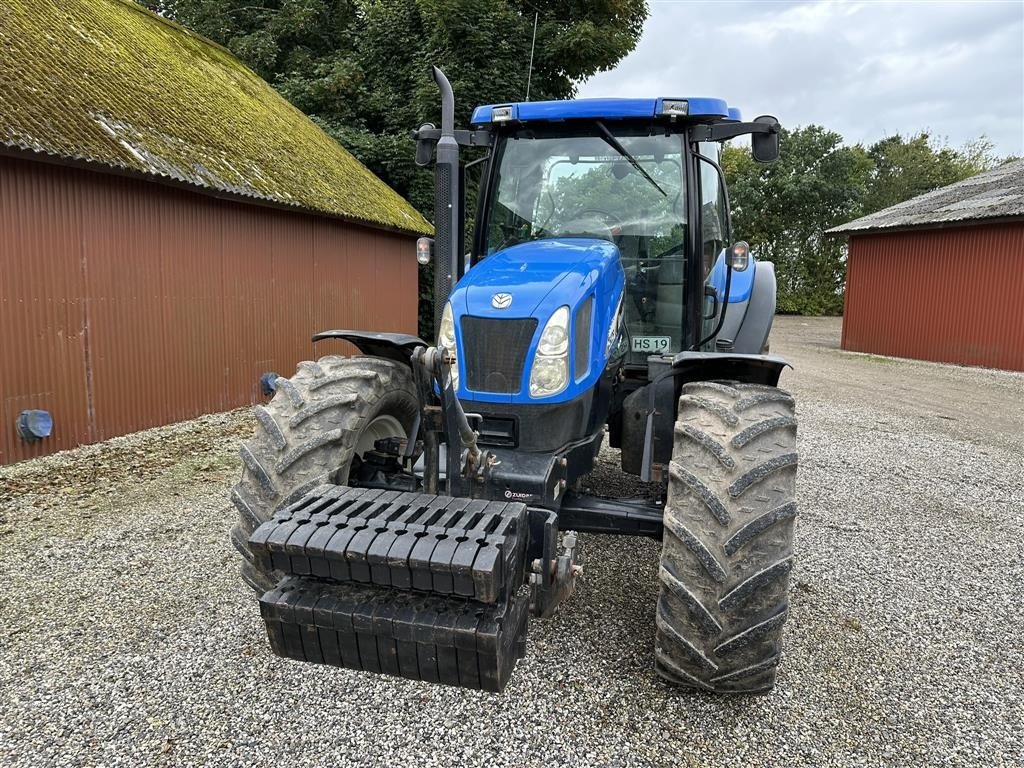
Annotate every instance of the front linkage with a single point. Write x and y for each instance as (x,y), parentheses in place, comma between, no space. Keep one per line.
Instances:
(469,473)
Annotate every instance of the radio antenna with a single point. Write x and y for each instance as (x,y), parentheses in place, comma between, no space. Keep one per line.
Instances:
(533,44)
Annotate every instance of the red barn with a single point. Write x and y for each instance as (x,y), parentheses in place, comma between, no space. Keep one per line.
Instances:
(170,228)
(941,276)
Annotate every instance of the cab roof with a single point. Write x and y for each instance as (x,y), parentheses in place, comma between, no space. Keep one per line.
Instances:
(709,109)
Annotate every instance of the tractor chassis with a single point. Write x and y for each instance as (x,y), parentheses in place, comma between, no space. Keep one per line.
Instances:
(537,479)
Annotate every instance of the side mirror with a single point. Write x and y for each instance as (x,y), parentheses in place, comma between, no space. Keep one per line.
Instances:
(424,146)
(710,292)
(424,250)
(765,146)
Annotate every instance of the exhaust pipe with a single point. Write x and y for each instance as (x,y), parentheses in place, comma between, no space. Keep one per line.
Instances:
(447,223)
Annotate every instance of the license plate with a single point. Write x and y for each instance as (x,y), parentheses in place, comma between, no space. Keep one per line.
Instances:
(651,343)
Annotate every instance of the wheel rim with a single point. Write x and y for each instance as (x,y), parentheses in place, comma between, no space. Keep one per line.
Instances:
(381,427)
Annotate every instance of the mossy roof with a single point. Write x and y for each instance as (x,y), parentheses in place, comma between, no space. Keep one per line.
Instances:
(108,82)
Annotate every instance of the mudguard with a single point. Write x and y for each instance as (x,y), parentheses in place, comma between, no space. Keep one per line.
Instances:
(392,346)
(649,413)
(760,311)
(750,306)
(708,366)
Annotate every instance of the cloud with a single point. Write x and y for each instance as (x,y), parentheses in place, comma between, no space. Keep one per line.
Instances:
(864,69)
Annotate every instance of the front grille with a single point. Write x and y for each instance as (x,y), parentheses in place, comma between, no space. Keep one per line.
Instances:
(494,352)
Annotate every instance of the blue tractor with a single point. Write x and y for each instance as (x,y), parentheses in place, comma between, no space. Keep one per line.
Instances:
(406,510)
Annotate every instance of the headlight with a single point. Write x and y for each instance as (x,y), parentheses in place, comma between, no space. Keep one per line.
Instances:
(446,342)
(549,374)
(555,339)
(446,333)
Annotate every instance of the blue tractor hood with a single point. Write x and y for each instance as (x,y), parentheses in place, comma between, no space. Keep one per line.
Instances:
(532,280)
(536,274)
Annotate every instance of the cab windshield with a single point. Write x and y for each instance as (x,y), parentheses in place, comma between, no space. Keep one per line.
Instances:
(613,186)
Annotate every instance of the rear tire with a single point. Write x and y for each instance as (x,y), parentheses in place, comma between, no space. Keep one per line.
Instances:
(728,543)
(308,433)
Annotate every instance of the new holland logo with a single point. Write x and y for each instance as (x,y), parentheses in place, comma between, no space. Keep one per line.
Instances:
(501,300)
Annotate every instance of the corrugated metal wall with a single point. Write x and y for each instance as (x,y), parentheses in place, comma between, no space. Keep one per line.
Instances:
(126,304)
(950,295)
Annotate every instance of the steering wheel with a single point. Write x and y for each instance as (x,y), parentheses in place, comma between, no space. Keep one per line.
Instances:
(616,221)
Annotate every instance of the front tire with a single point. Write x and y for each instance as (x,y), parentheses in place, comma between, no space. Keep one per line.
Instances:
(728,543)
(309,432)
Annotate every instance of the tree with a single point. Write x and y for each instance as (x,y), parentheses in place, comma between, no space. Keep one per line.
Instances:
(360,68)
(908,167)
(783,208)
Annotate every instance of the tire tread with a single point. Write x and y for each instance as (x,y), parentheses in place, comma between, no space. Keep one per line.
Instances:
(728,543)
(306,435)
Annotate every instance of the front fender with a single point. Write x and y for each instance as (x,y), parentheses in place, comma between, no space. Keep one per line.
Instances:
(649,413)
(392,346)
(708,366)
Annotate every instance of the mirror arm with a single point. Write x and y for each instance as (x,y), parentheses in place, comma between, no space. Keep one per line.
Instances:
(426,137)
(724,131)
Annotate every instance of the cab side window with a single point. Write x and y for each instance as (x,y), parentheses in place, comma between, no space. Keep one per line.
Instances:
(713,206)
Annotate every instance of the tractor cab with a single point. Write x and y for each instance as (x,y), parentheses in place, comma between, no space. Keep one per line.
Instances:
(641,174)
(610,177)
(598,260)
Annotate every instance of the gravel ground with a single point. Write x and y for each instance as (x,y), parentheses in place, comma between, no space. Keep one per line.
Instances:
(127,639)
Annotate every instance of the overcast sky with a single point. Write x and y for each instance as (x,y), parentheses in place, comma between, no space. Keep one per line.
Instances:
(864,69)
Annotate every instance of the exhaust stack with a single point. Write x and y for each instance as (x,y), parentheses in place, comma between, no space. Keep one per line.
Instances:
(447,213)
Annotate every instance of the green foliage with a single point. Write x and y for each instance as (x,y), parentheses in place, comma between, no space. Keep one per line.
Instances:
(906,168)
(360,68)
(783,208)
